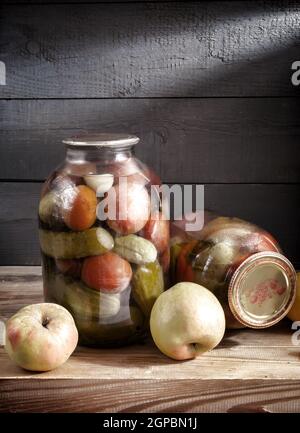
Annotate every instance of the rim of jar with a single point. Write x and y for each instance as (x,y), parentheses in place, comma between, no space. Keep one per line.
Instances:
(102,139)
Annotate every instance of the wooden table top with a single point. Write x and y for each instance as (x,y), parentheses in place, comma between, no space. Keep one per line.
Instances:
(250,371)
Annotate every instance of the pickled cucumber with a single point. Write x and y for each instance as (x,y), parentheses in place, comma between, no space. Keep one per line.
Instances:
(135,249)
(74,245)
(147,285)
(174,252)
(81,300)
(210,262)
(94,333)
(74,295)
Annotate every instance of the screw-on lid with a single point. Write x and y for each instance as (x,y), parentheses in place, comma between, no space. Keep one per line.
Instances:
(102,139)
(262,289)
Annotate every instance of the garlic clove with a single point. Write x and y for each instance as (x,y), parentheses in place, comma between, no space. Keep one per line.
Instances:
(100,183)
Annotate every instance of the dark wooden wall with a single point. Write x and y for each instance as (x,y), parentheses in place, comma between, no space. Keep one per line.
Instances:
(207,86)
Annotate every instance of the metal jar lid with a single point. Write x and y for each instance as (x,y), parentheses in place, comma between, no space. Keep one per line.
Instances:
(262,289)
(102,139)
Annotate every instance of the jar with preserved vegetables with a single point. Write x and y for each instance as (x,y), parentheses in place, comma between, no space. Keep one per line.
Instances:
(241,263)
(104,240)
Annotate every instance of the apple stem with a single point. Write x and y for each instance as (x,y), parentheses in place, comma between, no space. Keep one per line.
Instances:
(45,322)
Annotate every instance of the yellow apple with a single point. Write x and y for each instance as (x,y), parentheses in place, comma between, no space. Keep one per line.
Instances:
(41,337)
(186,321)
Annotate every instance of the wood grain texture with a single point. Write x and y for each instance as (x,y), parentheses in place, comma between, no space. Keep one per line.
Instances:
(233,359)
(163,396)
(250,371)
(274,207)
(183,140)
(150,49)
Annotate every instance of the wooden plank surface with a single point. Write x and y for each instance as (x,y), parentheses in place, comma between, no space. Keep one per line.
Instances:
(163,396)
(183,140)
(250,371)
(150,49)
(274,207)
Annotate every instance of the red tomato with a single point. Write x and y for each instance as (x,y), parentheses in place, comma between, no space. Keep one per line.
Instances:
(164,260)
(259,241)
(80,211)
(184,269)
(132,206)
(157,230)
(70,267)
(107,272)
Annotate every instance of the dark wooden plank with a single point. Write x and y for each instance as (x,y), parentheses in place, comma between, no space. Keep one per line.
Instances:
(184,140)
(274,207)
(18,223)
(150,49)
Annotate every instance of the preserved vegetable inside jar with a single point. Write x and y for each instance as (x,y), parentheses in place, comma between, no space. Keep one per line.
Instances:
(104,242)
(241,264)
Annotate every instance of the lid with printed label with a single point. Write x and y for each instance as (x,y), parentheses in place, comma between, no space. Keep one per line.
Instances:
(262,289)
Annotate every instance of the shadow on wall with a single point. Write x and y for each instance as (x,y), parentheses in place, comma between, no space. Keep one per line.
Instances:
(150,50)
(233,49)
(205,140)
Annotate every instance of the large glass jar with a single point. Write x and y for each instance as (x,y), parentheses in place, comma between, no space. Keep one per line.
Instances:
(104,241)
(241,264)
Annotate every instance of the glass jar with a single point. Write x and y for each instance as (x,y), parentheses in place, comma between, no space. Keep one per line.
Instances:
(241,264)
(104,243)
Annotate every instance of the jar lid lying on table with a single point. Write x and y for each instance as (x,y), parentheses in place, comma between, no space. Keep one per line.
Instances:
(262,289)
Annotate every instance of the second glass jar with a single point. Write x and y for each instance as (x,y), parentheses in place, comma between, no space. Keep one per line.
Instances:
(241,263)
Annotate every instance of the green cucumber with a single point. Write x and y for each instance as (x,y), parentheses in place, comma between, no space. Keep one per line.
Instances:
(74,245)
(147,285)
(135,249)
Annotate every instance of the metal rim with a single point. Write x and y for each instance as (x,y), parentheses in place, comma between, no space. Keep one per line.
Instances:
(102,139)
(241,272)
